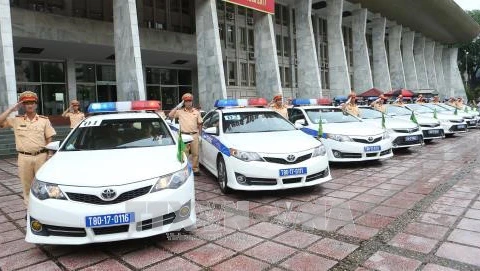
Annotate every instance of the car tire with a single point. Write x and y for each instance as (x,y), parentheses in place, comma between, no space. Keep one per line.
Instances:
(222,176)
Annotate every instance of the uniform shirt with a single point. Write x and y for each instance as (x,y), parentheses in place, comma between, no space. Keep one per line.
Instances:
(281,110)
(189,119)
(352,109)
(400,103)
(75,118)
(420,102)
(380,107)
(30,135)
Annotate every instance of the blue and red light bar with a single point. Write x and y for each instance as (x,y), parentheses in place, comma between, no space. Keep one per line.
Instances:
(241,102)
(319,101)
(150,105)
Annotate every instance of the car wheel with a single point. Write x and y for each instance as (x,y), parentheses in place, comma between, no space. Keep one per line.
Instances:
(222,176)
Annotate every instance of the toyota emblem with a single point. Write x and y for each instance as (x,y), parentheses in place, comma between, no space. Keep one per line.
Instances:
(370,139)
(109,194)
(291,158)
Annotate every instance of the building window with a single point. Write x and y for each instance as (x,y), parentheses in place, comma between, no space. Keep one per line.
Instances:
(167,85)
(95,83)
(244,74)
(231,36)
(286,46)
(288,77)
(252,75)
(285,16)
(251,40)
(278,14)
(242,36)
(231,73)
(281,70)
(48,6)
(278,40)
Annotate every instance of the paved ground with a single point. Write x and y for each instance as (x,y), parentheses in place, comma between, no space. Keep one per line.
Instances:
(417,211)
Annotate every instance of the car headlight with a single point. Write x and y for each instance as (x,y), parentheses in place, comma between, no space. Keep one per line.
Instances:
(173,180)
(341,138)
(245,155)
(42,190)
(319,151)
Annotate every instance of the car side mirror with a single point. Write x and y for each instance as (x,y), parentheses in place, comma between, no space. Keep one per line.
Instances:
(53,146)
(300,123)
(391,114)
(187,139)
(211,130)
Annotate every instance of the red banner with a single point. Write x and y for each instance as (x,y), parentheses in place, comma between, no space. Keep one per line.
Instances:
(267,6)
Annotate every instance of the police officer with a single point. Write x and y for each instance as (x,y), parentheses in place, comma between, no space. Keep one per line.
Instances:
(420,99)
(378,104)
(436,100)
(32,133)
(191,123)
(277,105)
(74,114)
(451,102)
(459,103)
(399,100)
(350,106)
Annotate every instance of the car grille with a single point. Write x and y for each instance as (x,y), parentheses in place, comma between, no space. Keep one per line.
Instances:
(427,135)
(372,154)
(156,222)
(260,181)
(292,180)
(65,231)
(318,175)
(455,128)
(385,152)
(93,199)
(406,131)
(364,141)
(111,230)
(350,155)
(431,125)
(456,121)
(285,162)
(400,141)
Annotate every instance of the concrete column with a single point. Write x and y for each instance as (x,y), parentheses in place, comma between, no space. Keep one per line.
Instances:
(362,74)
(309,82)
(430,64)
(128,59)
(337,60)
(441,88)
(8,85)
(411,81)
(397,74)
(267,71)
(211,76)
(453,80)
(71,80)
(419,51)
(381,74)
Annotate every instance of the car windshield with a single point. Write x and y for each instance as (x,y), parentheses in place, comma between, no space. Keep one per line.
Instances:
(254,122)
(119,134)
(330,115)
(367,113)
(420,108)
(398,110)
(438,107)
(448,107)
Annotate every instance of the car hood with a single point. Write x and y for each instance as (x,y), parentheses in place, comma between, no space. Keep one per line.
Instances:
(391,123)
(352,129)
(109,167)
(271,142)
(420,119)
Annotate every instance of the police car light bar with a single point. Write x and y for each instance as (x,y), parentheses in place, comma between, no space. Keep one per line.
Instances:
(241,102)
(123,106)
(319,101)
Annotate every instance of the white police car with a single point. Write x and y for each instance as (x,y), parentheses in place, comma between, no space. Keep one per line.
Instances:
(430,127)
(346,137)
(470,118)
(115,177)
(451,124)
(402,133)
(251,148)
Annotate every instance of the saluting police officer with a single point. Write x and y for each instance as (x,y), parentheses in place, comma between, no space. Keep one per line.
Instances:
(32,133)
(420,99)
(399,101)
(351,106)
(436,100)
(378,104)
(191,123)
(74,114)
(277,105)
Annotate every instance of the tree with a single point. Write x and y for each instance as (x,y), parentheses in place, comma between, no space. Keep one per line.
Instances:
(472,64)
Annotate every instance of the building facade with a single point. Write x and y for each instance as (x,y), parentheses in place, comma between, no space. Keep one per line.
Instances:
(109,50)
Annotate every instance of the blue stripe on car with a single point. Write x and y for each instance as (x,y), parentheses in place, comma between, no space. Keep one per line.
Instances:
(215,142)
(312,132)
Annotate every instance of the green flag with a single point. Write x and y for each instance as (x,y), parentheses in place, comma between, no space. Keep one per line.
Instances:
(466,109)
(435,114)
(180,147)
(383,121)
(320,128)
(413,118)
(456,111)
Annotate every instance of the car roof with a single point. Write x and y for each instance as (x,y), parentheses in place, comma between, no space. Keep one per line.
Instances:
(245,109)
(317,106)
(128,115)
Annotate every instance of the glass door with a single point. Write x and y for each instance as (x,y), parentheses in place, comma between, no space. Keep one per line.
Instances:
(169,97)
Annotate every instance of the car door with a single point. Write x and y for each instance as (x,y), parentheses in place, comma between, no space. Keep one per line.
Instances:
(208,151)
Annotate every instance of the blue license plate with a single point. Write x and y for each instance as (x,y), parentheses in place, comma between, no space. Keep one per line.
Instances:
(372,148)
(411,138)
(433,132)
(292,171)
(107,220)
(462,126)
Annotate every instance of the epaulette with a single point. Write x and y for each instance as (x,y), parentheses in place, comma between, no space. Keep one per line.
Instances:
(43,117)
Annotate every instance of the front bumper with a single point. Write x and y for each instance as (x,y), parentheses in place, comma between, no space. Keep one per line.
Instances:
(450,128)
(64,221)
(432,132)
(404,140)
(259,176)
(355,151)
